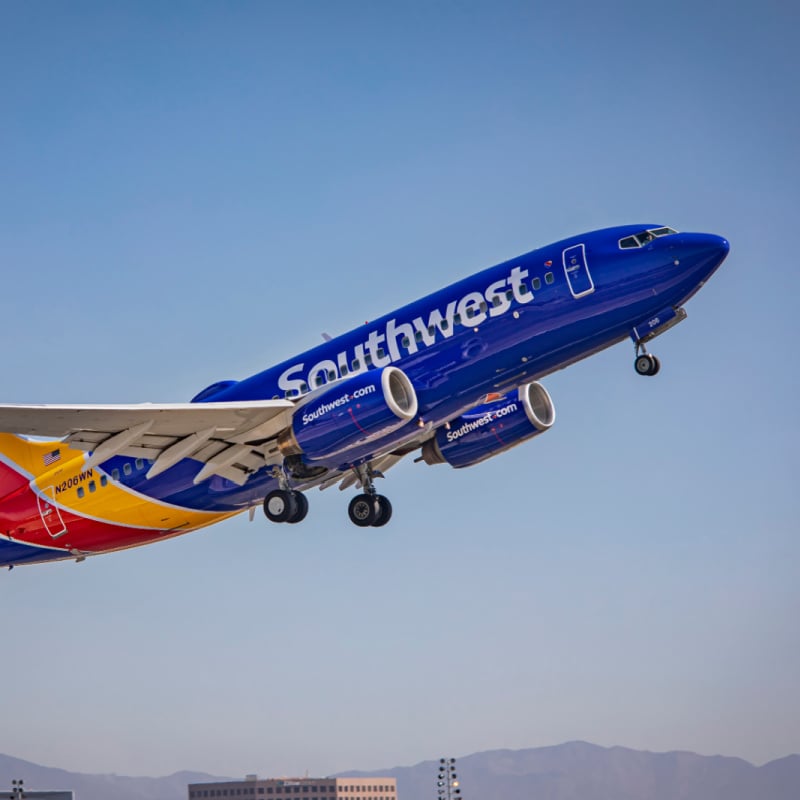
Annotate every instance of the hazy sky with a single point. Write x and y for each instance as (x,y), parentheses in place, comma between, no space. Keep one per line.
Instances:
(193,191)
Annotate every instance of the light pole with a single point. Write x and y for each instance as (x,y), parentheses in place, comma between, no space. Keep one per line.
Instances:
(17,790)
(447,787)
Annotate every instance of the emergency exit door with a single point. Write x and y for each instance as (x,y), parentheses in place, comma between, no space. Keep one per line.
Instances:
(577,271)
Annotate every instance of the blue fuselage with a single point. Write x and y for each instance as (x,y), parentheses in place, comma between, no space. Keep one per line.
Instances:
(489,333)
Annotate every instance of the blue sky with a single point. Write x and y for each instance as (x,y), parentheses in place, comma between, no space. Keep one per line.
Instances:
(193,191)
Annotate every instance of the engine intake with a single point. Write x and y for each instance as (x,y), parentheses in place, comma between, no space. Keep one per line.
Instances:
(350,413)
(492,428)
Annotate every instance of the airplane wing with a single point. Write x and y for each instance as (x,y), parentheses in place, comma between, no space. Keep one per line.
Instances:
(231,439)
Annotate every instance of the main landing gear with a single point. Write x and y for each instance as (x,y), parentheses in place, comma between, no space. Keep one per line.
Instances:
(285,504)
(645,363)
(368,509)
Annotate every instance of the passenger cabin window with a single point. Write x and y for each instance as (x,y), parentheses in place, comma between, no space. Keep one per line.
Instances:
(548,278)
(537,284)
(643,238)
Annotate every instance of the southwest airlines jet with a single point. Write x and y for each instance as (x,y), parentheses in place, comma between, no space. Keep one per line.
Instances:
(452,378)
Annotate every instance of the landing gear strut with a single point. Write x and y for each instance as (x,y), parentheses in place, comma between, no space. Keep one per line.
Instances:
(369,509)
(645,363)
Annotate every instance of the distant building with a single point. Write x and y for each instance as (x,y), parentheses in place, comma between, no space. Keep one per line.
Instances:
(29,794)
(298,789)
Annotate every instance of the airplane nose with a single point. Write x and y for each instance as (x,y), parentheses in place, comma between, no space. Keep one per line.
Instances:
(707,246)
(720,244)
(718,248)
(701,254)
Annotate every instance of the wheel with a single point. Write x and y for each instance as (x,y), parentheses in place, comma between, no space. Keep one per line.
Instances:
(643,365)
(646,364)
(656,365)
(301,501)
(280,505)
(384,511)
(362,510)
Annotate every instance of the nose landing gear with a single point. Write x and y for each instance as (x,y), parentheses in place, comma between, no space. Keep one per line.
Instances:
(645,363)
(669,317)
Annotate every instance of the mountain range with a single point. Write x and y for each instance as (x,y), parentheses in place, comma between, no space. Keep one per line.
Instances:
(570,771)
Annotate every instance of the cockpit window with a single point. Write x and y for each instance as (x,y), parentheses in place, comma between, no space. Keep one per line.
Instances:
(643,238)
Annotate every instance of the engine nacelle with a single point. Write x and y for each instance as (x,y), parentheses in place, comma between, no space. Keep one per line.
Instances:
(492,428)
(350,413)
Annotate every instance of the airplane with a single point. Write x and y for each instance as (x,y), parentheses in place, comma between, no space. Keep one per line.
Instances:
(453,377)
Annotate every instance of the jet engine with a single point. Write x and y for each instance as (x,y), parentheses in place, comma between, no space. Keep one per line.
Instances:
(492,428)
(349,413)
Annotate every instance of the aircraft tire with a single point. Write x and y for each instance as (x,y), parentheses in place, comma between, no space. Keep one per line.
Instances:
(301,502)
(646,364)
(362,510)
(280,505)
(656,365)
(384,511)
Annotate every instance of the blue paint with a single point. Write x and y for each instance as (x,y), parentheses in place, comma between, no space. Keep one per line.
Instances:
(486,431)
(12,553)
(494,331)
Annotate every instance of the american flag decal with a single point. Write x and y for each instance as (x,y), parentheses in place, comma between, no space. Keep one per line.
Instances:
(51,458)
